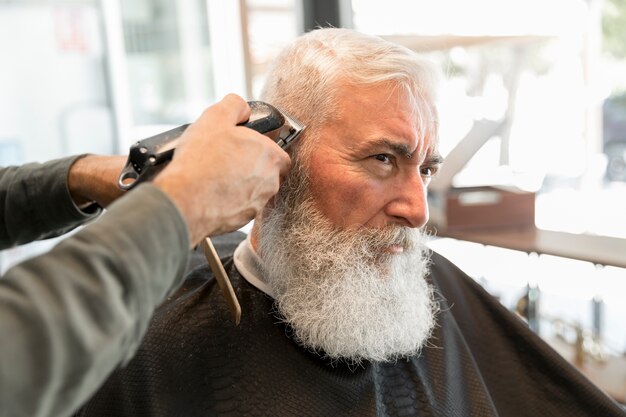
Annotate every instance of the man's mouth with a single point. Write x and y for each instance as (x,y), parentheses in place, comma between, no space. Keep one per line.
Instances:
(393,249)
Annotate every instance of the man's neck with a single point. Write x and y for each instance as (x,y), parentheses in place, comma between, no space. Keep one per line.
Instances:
(249,265)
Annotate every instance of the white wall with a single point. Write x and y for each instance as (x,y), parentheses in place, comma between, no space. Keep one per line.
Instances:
(52,96)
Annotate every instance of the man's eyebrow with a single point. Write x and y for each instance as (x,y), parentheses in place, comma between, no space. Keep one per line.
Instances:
(396,147)
(404,150)
(435,159)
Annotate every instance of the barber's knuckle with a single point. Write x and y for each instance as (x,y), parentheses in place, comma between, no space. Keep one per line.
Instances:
(232,100)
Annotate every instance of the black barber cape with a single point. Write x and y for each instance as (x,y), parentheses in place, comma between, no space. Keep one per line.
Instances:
(482,361)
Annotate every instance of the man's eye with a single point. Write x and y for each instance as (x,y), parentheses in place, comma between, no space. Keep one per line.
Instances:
(428,172)
(383,158)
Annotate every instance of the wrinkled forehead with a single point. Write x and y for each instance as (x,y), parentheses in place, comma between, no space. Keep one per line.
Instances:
(353,105)
(424,114)
(427,119)
(399,109)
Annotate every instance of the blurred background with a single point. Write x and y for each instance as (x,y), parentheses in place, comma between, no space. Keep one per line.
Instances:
(531,201)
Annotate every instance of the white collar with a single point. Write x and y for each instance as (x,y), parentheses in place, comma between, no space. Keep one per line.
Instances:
(250,266)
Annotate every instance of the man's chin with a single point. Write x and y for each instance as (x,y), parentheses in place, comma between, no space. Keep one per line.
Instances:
(365,314)
(393,249)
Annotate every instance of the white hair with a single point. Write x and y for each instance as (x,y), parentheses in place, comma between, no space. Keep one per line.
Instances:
(304,78)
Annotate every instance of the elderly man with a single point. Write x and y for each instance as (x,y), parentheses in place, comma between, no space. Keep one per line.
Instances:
(345,312)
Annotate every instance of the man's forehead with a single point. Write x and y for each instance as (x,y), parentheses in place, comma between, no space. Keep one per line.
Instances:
(383,115)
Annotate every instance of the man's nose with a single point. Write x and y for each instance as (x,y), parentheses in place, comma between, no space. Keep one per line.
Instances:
(409,206)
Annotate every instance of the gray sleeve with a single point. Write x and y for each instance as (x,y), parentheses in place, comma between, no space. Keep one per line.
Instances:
(35,202)
(71,316)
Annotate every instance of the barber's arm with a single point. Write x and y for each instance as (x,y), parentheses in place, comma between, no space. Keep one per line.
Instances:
(38,201)
(69,317)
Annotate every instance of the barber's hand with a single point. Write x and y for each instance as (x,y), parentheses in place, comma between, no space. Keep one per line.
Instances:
(93,178)
(222,174)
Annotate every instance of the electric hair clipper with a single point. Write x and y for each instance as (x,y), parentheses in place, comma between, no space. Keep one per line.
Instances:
(149,156)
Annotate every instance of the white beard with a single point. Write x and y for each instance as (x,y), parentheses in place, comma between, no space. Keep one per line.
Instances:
(340,292)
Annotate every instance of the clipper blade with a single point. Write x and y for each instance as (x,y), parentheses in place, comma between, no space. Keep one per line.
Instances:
(290,131)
